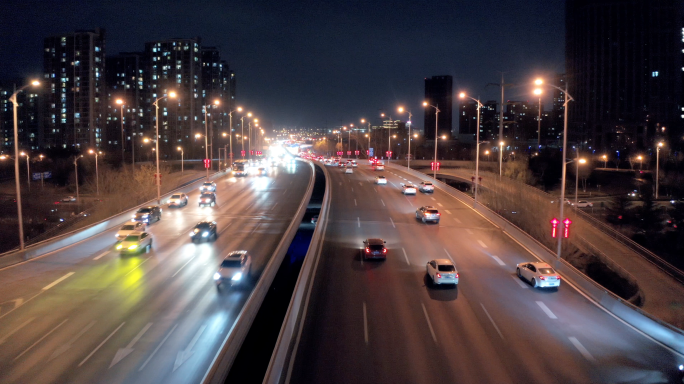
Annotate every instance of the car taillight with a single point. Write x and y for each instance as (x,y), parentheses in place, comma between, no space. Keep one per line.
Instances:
(542,278)
(367,250)
(384,250)
(439,214)
(439,275)
(558,277)
(457,275)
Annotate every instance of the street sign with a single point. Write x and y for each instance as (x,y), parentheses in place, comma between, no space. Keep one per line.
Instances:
(157,181)
(370,152)
(207,163)
(554,227)
(356,153)
(566,231)
(37,175)
(242,153)
(348,153)
(432,166)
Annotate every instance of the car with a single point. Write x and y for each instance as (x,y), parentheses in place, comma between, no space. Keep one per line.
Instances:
(426,187)
(381,180)
(235,269)
(374,249)
(584,204)
(540,275)
(348,170)
(341,164)
(428,213)
(379,167)
(314,219)
(135,242)
(261,171)
(204,230)
(68,199)
(354,164)
(442,271)
(129,228)
(178,200)
(148,214)
(408,189)
(207,198)
(208,186)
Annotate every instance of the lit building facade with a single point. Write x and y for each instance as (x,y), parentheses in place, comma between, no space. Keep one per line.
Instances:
(29,116)
(125,81)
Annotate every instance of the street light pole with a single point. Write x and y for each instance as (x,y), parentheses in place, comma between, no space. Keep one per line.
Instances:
(97,175)
(660,145)
(578,161)
(230,115)
(121,104)
(501,144)
(538,92)
(181,151)
(28,170)
(436,107)
(76,169)
(477,141)
(158,174)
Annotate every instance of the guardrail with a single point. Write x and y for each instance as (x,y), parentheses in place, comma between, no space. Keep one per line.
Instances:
(223,361)
(280,366)
(663,333)
(70,238)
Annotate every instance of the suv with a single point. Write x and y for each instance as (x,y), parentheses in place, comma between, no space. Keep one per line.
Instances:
(209,186)
(408,189)
(148,214)
(235,269)
(428,213)
(178,200)
(374,248)
(426,187)
(207,198)
(204,230)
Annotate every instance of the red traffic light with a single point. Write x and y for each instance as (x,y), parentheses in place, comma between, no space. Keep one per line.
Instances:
(207,163)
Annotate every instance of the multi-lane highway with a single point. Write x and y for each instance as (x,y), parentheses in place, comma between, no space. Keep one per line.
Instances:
(87,315)
(382,322)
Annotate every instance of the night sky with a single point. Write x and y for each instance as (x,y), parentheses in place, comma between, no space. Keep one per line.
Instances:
(319,63)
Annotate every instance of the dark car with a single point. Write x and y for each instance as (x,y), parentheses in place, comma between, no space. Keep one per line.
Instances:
(374,249)
(204,230)
(148,214)
(207,198)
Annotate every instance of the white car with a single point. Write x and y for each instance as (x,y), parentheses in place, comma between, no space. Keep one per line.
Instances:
(584,204)
(135,242)
(68,199)
(426,187)
(428,213)
(380,180)
(354,164)
(408,189)
(235,269)
(379,167)
(129,228)
(178,200)
(540,275)
(442,271)
(209,186)
(349,170)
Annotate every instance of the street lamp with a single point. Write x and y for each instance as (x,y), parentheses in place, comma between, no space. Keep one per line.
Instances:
(121,104)
(181,151)
(28,170)
(425,104)
(605,160)
(487,153)
(389,147)
(242,126)
(577,161)
(538,92)
(230,115)
(660,145)
(206,134)
(401,110)
(197,136)
(76,169)
(156,120)
(501,144)
(477,140)
(640,162)
(97,175)
(568,99)
(15,104)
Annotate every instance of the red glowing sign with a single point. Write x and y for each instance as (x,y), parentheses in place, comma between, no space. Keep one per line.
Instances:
(432,166)
(242,153)
(348,153)
(356,153)
(207,163)
(554,226)
(566,231)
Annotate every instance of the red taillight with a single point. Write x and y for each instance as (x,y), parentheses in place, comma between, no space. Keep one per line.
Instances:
(439,214)
(384,250)
(457,275)
(542,278)
(439,275)
(558,277)
(367,250)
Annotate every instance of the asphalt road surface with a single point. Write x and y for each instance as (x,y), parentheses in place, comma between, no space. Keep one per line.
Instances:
(382,322)
(88,315)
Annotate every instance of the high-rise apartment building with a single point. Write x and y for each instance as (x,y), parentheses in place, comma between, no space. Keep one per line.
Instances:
(29,116)
(624,69)
(439,93)
(74,89)
(126,82)
(216,86)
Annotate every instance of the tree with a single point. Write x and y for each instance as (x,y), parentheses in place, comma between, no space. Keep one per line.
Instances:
(650,217)
(618,209)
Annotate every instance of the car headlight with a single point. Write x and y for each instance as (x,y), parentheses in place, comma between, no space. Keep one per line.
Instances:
(132,247)
(145,215)
(217,276)
(133,216)
(205,234)
(237,276)
(119,246)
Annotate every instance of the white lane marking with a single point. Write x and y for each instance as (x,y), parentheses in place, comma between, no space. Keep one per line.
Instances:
(482,244)
(185,354)
(546,309)
(448,255)
(274,205)
(123,352)
(101,344)
(440,204)
(286,189)
(101,255)
(383,202)
(448,211)
(433,199)
(41,339)
(432,331)
(255,228)
(365,324)
(355,203)
(65,347)
(457,220)
(492,320)
(520,282)
(58,281)
(186,263)
(22,325)
(581,349)
(358,222)
(392,223)
(469,231)
(375,189)
(156,349)
(137,266)
(498,260)
(407,260)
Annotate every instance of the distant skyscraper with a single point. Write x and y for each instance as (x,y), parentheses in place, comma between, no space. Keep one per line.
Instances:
(74,89)
(438,92)
(624,69)
(29,116)
(125,80)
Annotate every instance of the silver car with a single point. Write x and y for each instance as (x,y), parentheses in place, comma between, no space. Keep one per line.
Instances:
(442,271)
(235,269)
(136,242)
(129,228)
(428,213)
(540,275)
(178,200)
(426,187)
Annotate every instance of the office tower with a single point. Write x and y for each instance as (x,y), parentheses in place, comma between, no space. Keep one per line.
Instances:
(438,92)
(624,69)
(29,116)
(74,89)
(125,81)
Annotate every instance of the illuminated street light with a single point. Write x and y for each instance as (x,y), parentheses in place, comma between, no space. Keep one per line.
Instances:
(477,141)
(577,161)
(660,145)
(171,95)
(206,134)
(121,104)
(97,175)
(605,161)
(425,104)
(538,92)
(181,151)
(408,161)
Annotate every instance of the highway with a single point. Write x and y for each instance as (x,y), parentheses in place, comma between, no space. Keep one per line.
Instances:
(381,322)
(88,315)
